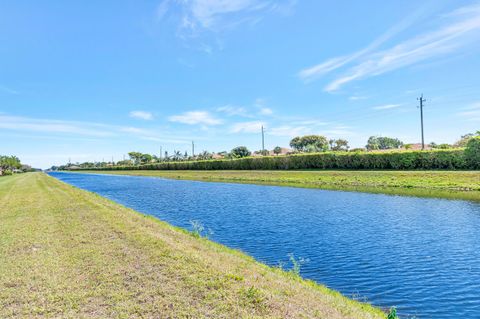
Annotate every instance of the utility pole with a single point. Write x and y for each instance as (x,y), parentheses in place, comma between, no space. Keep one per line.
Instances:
(160,153)
(263,140)
(421,99)
(193,149)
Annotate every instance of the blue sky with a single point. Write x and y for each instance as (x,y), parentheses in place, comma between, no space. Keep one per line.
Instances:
(96,79)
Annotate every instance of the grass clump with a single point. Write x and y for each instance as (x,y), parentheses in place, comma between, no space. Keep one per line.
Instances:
(253,295)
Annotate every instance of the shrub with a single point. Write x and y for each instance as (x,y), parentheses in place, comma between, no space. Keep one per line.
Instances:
(472,152)
(7,172)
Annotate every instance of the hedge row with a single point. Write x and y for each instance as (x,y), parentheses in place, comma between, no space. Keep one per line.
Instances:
(397,160)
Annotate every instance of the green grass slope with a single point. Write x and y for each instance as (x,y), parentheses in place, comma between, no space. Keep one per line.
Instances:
(68,253)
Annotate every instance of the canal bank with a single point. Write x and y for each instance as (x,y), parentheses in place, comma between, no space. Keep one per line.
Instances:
(463,185)
(70,253)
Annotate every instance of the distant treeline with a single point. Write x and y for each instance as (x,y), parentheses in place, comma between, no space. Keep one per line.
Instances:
(433,159)
(11,164)
(310,152)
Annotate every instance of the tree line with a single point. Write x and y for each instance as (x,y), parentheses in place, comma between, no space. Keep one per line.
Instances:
(299,144)
(12,164)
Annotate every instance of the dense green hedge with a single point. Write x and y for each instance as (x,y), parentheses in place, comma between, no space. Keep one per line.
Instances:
(472,153)
(437,159)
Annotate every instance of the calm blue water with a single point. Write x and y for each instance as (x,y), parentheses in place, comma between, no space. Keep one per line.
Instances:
(421,255)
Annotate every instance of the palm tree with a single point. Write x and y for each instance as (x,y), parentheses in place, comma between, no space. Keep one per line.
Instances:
(204,155)
(176,155)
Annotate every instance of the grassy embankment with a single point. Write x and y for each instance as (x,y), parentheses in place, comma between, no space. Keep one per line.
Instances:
(442,184)
(68,253)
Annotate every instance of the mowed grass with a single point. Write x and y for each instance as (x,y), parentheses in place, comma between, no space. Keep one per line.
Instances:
(443,184)
(68,253)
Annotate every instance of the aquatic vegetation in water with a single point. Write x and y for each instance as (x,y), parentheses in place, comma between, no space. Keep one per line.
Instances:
(392,314)
(296,263)
(198,230)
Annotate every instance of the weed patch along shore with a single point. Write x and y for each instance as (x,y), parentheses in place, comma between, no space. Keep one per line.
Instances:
(441,184)
(66,252)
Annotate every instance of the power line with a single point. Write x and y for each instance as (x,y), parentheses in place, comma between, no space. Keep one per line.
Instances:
(421,99)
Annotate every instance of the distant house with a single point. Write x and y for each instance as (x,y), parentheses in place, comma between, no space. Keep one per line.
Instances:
(415,146)
(217,156)
(283,151)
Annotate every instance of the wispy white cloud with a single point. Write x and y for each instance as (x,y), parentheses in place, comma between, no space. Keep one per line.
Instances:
(289,131)
(162,9)
(473,106)
(142,115)
(310,128)
(262,108)
(386,106)
(218,15)
(471,112)
(195,117)
(266,111)
(318,70)
(19,123)
(247,127)
(134,130)
(338,131)
(232,110)
(259,109)
(206,13)
(8,90)
(52,128)
(459,28)
(308,122)
(284,7)
(311,73)
(156,135)
(464,30)
(357,97)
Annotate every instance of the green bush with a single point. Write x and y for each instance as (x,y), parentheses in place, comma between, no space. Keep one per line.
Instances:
(395,160)
(7,172)
(472,153)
